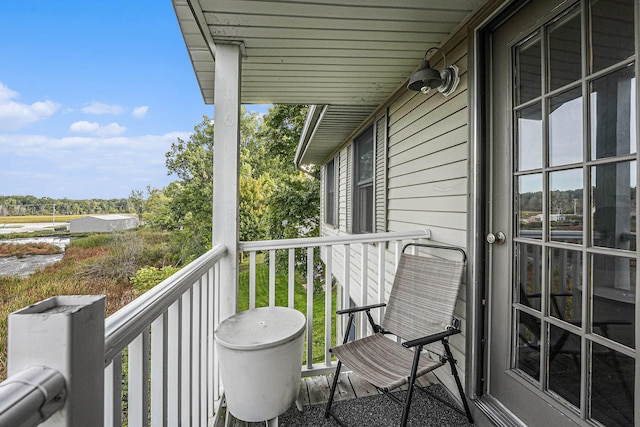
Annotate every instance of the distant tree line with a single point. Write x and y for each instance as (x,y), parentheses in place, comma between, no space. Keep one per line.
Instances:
(277,200)
(31,205)
(562,202)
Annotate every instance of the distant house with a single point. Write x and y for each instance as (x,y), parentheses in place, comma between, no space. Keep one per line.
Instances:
(102,223)
(552,218)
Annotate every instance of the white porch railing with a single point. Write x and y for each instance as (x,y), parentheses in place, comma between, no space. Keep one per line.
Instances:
(171,376)
(160,362)
(347,251)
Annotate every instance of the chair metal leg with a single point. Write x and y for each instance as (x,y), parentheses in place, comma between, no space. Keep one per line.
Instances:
(336,376)
(412,381)
(454,371)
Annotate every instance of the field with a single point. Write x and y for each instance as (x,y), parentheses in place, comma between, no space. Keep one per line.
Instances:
(102,264)
(94,265)
(28,219)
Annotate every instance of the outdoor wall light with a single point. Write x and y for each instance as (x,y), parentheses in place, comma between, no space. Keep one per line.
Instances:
(427,78)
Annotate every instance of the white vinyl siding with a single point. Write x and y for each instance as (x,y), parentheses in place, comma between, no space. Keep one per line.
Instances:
(428,156)
(421,182)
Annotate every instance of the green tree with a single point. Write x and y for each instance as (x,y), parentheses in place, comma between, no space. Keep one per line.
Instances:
(136,202)
(189,202)
(189,199)
(276,200)
(294,205)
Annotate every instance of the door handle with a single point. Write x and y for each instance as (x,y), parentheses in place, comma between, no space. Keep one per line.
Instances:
(498,238)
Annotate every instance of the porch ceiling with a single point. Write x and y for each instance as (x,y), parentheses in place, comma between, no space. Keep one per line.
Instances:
(346,53)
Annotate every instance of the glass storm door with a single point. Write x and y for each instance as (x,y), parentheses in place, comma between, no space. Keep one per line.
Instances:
(563,192)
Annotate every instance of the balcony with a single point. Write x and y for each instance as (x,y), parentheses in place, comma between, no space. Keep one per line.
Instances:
(159,359)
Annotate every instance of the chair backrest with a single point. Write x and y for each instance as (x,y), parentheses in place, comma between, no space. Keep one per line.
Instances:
(423,297)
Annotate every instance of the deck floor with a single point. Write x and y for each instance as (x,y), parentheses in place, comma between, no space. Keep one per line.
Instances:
(315,390)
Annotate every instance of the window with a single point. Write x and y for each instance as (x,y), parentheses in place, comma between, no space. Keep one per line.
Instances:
(363,182)
(330,193)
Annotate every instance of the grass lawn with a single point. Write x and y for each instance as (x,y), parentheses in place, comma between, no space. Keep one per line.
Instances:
(300,301)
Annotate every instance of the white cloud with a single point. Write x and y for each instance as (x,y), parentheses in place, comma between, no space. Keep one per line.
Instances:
(6,93)
(15,115)
(112,129)
(101,108)
(84,127)
(84,166)
(93,128)
(140,112)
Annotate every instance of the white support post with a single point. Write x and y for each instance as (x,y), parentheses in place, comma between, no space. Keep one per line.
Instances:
(65,334)
(226,170)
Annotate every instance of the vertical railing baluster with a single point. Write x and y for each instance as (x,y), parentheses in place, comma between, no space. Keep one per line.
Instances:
(204,349)
(113,393)
(216,321)
(576,282)
(310,307)
(523,267)
(138,381)
(292,274)
(196,343)
(346,291)
(328,306)
(212,393)
(415,248)
(537,257)
(159,371)
(252,279)
(381,278)
(364,283)
(397,255)
(185,366)
(272,277)
(174,337)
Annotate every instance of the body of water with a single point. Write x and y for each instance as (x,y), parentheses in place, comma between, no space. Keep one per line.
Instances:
(23,267)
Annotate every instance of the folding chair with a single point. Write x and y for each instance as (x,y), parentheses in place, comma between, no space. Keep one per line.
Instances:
(420,313)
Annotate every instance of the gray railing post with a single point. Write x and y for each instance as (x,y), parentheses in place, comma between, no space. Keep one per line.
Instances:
(65,334)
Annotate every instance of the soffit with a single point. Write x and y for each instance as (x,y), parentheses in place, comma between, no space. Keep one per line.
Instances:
(352,53)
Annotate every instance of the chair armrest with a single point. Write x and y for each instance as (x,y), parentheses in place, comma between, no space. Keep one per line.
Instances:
(357,309)
(431,338)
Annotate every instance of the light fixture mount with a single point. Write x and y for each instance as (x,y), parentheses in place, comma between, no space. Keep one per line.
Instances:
(427,78)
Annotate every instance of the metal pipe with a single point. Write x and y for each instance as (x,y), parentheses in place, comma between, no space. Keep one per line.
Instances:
(31,396)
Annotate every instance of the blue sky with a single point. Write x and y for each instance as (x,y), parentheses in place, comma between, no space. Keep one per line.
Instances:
(92,94)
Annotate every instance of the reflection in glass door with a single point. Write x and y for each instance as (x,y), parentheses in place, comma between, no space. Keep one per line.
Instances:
(574,174)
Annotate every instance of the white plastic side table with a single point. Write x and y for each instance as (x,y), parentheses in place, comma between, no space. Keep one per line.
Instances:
(260,354)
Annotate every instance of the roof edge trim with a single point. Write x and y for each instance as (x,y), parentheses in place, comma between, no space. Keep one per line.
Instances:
(198,16)
(311,123)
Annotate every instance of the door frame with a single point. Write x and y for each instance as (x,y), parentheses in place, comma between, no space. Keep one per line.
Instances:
(486,407)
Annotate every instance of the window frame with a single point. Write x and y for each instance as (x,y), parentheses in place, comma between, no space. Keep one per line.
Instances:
(330,193)
(363,197)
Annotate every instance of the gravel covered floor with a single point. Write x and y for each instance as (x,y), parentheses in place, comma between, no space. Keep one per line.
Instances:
(378,411)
